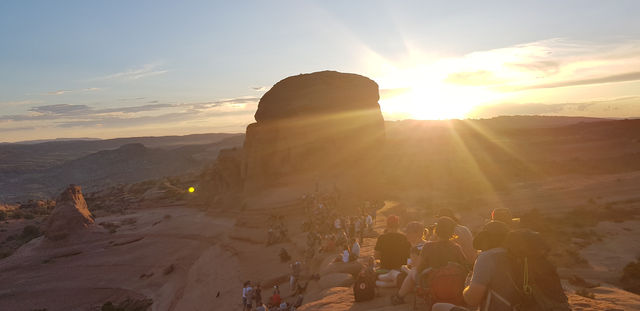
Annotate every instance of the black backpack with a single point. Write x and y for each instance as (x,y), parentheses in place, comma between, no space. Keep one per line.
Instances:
(364,288)
(534,277)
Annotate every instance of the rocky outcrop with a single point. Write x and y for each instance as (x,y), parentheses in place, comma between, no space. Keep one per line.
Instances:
(312,125)
(222,181)
(335,280)
(70,216)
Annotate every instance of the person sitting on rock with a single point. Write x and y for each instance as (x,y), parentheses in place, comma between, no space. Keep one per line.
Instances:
(392,248)
(345,254)
(415,234)
(434,254)
(504,215)
(355,250)
(491,270)
(462,236)
(284,255)
(275,299)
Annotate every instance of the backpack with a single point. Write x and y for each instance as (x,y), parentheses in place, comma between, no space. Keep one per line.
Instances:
(444,284)
(364,288)
(534,277)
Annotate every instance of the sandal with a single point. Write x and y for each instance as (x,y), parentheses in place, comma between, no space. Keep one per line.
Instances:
(397,300)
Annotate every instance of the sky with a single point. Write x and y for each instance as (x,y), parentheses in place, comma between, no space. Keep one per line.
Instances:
(108,69)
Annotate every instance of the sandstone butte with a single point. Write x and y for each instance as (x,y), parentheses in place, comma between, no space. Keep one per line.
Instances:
(322,127)
(311,126)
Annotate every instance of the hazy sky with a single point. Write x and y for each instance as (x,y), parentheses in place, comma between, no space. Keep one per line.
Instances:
(130,68)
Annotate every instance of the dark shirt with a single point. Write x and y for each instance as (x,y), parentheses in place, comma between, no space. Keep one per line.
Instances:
(394,250)
(437,254)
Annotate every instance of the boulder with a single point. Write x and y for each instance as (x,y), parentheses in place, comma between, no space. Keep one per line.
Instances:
(70,215)
(336,280)
(352,268)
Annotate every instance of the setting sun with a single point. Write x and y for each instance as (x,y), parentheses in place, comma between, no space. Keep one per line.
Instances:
(435,101)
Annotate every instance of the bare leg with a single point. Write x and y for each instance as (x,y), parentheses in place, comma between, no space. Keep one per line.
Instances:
(407,286)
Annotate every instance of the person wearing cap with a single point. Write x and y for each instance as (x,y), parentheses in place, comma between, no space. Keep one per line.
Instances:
(490,272)
(434,254)
(462,236)
(504,215)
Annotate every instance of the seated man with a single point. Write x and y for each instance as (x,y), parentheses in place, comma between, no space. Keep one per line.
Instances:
(491,270)
(463,236)
(434,254)
(392,248)
(415,234)
(504,215)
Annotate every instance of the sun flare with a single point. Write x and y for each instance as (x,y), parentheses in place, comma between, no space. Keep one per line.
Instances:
(435,101)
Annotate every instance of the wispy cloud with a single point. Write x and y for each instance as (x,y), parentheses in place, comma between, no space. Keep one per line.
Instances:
(260,88)
(552,63)
(145,71)
(61,92)
(624,77)
(160,114)
(61,109)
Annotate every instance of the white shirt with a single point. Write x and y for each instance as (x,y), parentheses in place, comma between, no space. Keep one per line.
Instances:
(336,223)
(369,220)
(355,249)
(345,256)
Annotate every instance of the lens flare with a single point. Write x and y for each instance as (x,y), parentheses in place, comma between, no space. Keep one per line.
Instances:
(192,189)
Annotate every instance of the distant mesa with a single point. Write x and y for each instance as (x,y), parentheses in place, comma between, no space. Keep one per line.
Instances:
(70,215)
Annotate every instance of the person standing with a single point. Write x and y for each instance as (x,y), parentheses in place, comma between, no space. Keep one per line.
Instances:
(247,296)
(257,295)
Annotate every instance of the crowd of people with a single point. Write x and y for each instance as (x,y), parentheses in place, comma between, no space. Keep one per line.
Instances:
(494,270)
(327,232)
(427,260)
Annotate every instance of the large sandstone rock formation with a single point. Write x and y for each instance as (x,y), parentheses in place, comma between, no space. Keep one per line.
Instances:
(222,181)
(311,126)
(70,215)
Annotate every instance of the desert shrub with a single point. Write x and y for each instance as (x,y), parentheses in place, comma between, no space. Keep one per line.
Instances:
(631,277)
(3,215)
(29,233)
(28,215)
(17,214)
